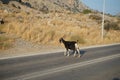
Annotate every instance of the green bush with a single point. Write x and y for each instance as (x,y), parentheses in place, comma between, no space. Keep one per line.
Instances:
(3,39)
(4,45)
(87,11)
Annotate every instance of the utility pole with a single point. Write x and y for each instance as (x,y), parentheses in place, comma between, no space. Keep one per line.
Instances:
(103,16)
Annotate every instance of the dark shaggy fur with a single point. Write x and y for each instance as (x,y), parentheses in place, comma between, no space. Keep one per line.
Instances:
(70,45)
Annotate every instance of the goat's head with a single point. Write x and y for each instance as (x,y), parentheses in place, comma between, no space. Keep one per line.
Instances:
(61,40)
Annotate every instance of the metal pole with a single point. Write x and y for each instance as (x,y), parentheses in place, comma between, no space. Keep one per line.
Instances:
(103,19)
(71,6)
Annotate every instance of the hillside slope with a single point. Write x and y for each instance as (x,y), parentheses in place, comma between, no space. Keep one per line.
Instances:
(45,21)
(58,5)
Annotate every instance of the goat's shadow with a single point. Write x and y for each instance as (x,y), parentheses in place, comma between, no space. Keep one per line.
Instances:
(116,78)
(82,52)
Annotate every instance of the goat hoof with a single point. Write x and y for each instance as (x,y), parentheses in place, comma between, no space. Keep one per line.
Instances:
(79,56)
(74,55)
(65,55)
(68,55)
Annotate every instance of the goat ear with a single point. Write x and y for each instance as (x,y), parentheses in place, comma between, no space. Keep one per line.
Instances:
(60,40)
(63,36)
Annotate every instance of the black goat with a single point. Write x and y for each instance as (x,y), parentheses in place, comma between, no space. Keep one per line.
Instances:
(70,45)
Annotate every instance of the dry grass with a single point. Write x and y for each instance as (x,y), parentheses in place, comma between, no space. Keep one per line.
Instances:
(49,30)
(5,42)
(1,28)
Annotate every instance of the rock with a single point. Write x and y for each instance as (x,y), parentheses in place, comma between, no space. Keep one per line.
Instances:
(20,1)
(16,6)
(6,11)
(1,21)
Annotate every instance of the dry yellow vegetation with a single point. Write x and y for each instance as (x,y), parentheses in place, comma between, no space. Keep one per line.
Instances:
(48,28)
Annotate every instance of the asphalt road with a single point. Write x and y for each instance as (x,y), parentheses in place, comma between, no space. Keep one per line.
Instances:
(102,63)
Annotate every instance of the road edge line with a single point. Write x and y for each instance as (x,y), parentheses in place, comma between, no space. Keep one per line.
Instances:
(52,52)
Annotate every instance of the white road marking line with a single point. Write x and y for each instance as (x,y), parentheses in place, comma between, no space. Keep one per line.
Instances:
(61,50)
(64,68)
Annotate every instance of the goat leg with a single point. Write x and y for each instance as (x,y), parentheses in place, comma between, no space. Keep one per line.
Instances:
(74,53)
(65,53)
(79,55)
(68,53)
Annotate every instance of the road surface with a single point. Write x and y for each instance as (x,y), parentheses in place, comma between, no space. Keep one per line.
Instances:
(101,63)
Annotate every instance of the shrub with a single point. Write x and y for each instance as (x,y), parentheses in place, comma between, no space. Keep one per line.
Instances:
(1,28)
(87,11)
(3,38)
(5,43)
(112,26)
(95,17)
